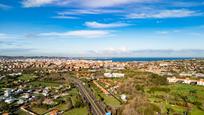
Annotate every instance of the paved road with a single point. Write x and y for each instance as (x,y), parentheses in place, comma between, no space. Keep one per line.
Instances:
(96,106)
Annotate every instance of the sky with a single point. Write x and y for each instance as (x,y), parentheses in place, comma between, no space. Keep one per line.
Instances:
(102,28)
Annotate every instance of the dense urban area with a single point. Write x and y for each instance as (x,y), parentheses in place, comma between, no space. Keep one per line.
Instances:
(51,86)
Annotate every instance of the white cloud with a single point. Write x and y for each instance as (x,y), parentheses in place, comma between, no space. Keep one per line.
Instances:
(115,52)
(79,33)
(89,11)
(178,13)
(36,3)
(186,4)
(120,51)
(103,25)
(64,17)
(74,13)
(109,3)
(82,3)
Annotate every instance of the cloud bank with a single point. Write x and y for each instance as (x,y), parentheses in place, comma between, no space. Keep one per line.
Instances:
(105,25)
(78,34)
(147,53)
(177,13)
(82,3)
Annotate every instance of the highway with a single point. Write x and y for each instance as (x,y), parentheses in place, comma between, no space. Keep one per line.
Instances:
(97,108)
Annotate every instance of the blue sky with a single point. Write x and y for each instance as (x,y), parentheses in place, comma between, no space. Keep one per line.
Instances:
(103,28)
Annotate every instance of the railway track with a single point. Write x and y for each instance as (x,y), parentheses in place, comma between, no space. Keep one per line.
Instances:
(97,108)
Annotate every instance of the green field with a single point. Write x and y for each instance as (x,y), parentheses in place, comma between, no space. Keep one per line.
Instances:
(184,88)
(178,98)
(61,107)
(39,110)
(27,77)
(20,112)
(45,84)
(77,111)
(73,91)
(108,99)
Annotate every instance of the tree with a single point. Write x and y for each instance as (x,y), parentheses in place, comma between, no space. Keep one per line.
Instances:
(3,106)
(139,105)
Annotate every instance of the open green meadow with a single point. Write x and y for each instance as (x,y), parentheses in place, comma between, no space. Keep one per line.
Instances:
(77,111)
(178,98)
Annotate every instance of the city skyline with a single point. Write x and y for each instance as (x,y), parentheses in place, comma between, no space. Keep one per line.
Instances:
(92,28)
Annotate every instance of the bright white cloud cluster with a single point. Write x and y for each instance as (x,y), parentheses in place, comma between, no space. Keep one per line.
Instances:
(82,3)
(109,3)
(79,34)
(103,25)
(36,3)
(178,13)
(97,7)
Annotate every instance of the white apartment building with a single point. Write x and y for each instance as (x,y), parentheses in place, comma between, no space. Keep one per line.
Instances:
(114,75)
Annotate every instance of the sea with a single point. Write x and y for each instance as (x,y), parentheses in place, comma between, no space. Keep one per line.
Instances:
(142,59)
